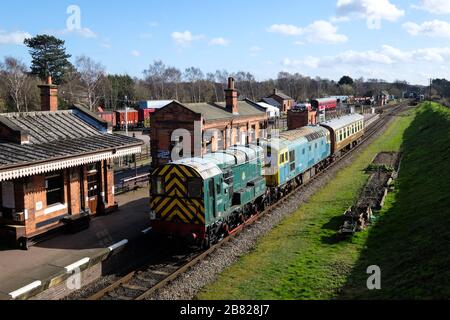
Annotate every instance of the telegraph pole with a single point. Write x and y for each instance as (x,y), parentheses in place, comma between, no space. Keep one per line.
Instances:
(431,87)
(126,115)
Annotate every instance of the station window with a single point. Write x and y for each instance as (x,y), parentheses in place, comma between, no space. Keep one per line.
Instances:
(310,148)
(304,151)
(316,145)
(92,185)
(54,188)
(194,187)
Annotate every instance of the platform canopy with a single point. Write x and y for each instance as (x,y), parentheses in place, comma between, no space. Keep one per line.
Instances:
(40,142)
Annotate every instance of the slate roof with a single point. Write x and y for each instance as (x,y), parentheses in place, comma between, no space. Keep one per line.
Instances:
(272,102)
(51,126)
(16,154)
(56,136)
(281,95)
(217,111)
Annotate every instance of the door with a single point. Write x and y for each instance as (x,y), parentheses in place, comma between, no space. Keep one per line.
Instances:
(93,190)
(212,198)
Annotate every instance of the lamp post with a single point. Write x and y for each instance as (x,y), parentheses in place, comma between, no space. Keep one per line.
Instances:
(126,115)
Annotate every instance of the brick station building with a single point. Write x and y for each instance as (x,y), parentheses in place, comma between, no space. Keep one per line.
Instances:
(219,125)
(55,167)
(280,100)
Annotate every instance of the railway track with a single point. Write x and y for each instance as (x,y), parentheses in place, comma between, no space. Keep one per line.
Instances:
(142,285)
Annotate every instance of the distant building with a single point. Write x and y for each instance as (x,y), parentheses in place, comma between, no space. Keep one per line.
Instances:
(55,167)
(283,101)
(219,125)
(382,98)
(154,104)
(272,112)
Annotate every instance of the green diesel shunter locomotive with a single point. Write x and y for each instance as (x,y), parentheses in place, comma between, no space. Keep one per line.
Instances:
(204,198)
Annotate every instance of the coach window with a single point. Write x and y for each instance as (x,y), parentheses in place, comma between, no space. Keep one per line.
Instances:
(194,187)
(54,188)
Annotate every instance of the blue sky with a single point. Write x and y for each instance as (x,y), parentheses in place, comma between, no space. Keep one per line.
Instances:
(388,39)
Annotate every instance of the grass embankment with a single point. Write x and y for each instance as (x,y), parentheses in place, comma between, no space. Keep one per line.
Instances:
(301,258)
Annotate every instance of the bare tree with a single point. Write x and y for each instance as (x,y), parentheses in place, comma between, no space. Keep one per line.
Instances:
(14,73)
(156,77)
(173,76)
(194,76)
(91,74)
(211,78)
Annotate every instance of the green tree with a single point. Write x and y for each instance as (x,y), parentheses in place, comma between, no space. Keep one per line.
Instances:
(346,80)
(49,57)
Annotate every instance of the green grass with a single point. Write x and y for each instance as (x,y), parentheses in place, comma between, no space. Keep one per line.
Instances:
(302,259)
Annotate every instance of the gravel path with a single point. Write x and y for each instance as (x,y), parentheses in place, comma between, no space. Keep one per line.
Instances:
(187,286)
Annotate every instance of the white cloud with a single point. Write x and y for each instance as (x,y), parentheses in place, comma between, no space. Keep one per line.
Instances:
(136,53)
(85,33)
(145,36)
(323,32)
(106,44)
(386,55)
(374,11)
(320,31)
(255,50)
(435,6)
(16,37)
(154,24)
(219,42)
(387,62)
(82,32)
(285,29)
(185,38)
(435,29)
(310,62)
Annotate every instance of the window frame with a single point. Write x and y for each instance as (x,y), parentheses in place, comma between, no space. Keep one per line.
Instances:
(155,186)
(188,188)
(60,198)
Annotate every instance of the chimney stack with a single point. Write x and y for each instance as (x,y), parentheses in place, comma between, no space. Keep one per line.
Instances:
(49,96)
(231,97)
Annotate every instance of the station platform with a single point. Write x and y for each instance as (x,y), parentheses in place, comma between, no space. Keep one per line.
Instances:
(49,263)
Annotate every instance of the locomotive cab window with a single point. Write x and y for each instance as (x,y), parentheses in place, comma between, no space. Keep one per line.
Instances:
(194,187)
(292,160)
(158,185)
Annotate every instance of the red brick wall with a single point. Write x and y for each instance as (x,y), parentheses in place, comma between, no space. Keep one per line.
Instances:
(164,122)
